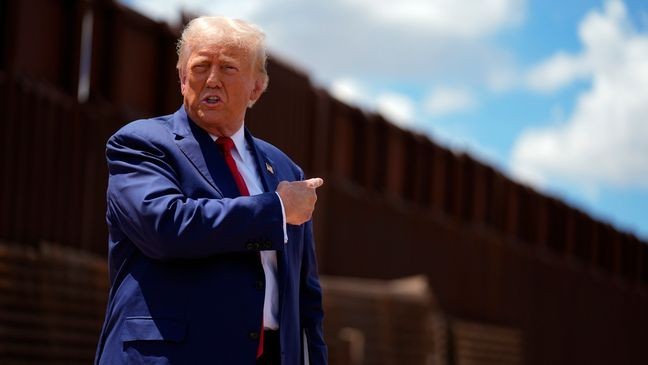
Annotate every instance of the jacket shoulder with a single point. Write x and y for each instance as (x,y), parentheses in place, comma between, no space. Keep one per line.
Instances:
(279,156)
(148,127)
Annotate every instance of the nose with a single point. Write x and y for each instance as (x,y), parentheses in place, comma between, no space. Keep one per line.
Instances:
(213,79)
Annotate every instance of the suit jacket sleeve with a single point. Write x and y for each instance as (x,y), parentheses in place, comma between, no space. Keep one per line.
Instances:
(147,203)
(311,311)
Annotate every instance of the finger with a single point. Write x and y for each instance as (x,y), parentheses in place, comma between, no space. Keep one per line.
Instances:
(315,182)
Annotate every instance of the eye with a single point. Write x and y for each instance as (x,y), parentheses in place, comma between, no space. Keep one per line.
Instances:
(199,68)
(230,69)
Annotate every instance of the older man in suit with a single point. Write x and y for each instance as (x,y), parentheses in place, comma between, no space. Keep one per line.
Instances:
(211,250)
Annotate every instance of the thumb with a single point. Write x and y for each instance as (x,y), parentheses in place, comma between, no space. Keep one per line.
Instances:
(315,182)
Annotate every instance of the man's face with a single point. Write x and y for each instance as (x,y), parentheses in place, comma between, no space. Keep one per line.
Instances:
(218,83)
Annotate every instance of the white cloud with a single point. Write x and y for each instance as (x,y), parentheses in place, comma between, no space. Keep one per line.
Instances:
(352,37)
(503,78)
(556,72)
(443,101)
(396,108)
(603,36)
(464,19)
(457,18)
(170,10)
(350,91)
(603,141)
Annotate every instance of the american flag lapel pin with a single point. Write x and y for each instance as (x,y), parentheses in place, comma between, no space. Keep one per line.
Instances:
(269,168)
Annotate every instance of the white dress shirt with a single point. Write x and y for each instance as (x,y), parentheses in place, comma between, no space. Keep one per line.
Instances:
(247,167)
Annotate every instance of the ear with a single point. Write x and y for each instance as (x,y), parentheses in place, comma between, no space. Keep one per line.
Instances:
(259,88)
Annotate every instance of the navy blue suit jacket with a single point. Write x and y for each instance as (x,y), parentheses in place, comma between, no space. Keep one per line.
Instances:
(187,286)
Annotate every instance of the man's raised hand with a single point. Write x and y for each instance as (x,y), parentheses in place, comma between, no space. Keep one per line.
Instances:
(299,199)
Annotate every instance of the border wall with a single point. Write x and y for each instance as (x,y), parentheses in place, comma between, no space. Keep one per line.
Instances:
(496,254)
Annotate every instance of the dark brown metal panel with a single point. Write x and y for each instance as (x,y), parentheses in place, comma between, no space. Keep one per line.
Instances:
(425,167)
(489,191)
(21,138)
(41,128)
(479,204)
(51,177)
(532,224)
(605,258)
(7,28)
(46,41)
(570,230)
(285,114)
(321,133)
(524,217)
(57,217)
(342,151)
(435,185)
(557,226)
(615,242)
(413,166)
(74,132)
(377,153)
(168,96)
(102,121)
(644,264)
(499,206)
(583,238)
(368,161)
(103,42)
(5,127)
(135,61)
(629,252)
(466,198)
(542,229)
(47,145)
(511,213)
(52,302)
(476,277)
(451,190)
(394,164)
(596,247)
(390,320)
(455,171)
(359,148)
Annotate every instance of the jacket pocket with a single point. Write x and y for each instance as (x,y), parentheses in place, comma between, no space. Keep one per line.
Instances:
(153,329)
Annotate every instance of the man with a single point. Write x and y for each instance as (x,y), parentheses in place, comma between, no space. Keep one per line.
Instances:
(211,248)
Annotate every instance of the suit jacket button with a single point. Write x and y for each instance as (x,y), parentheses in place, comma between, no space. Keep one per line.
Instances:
(267,245)
(260,284)
(249,246)
(257,245)
(254,335)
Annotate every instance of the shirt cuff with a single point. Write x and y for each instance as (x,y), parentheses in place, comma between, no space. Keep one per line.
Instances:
(283,215)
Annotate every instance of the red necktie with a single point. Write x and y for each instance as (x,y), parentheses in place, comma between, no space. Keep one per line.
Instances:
(225,144)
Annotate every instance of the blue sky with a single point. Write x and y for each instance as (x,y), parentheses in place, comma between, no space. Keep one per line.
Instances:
(553,93)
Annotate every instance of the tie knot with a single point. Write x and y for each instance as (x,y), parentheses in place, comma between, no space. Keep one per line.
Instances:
(225,143)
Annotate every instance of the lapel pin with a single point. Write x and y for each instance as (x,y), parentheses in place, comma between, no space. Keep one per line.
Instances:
(269,168)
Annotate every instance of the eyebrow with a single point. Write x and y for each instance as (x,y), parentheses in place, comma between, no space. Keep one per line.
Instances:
(199,60)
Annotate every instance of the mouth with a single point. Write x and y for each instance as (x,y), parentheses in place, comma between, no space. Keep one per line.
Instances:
(212,100)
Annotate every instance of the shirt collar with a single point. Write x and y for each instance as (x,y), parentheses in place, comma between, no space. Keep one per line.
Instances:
(239,142)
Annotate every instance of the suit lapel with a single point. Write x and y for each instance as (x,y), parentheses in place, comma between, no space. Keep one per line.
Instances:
(195,143)
(265,166)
